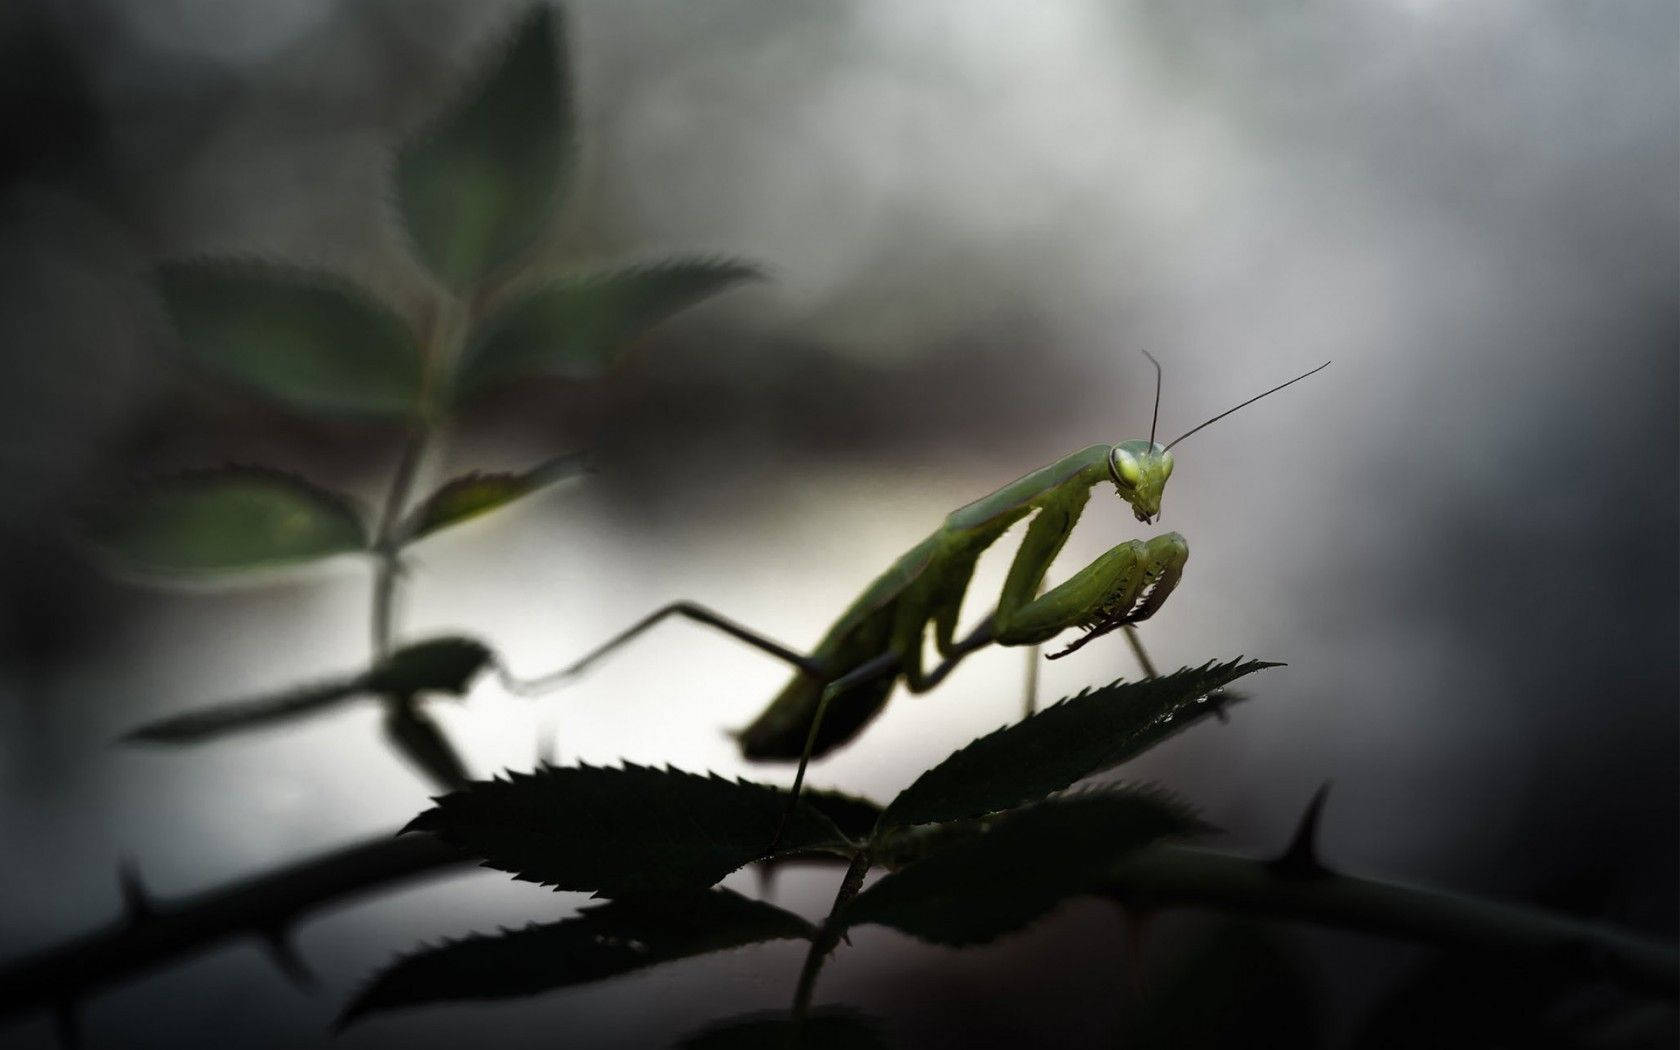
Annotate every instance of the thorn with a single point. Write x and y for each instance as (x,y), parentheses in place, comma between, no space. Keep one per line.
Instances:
(65,1027)
(137,903)
(766,872)
(286,957)
(1300,860)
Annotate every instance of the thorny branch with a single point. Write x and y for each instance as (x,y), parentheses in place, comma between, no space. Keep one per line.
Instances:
(269,906)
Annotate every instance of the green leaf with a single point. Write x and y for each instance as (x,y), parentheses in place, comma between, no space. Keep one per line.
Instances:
(443,665)
(476,187)
(225,520)
(471,495)
(600,942)
(576,328)
(308,339)
(1025,863)
(623,832)
(1075,738)
(826,1028)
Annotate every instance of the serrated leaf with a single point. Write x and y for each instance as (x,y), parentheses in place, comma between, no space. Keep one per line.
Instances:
(237,716)
(853,815)
(1025,863)
(471,495)
(1061,744)
(575,328)
(476,186)
(226,520)
(827,1028)
(443,665)
(600,942)
(309,339)
(623,832)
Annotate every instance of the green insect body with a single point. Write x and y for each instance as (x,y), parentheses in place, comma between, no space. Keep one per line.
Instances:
(926,586)
(878,641)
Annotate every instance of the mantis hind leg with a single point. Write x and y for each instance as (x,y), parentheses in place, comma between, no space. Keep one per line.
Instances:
(686,609)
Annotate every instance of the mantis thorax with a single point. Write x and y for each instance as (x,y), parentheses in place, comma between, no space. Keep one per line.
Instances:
(1140,470)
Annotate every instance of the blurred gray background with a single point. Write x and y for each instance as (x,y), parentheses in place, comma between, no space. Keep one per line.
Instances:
(1462,537)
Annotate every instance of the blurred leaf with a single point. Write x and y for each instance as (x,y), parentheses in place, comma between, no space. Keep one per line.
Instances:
(412,732)
(1075,738)
(470,495)
(476,187)
(197,726)
(601,941)
(623,832)
(1025,863)
(1237,990)
(575,328)
(309,339)
(826,1028)
(227,519)
(443,665)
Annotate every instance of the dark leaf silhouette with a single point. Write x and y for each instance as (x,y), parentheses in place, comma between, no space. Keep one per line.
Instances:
(1022,866)
(827,1028)
(208,723)
(623,832)
(601,941)
(444,665)
(575,328)
(1075,738)
(476,186)
(854,816)
(471,495)
(225,520)
(309,339)
(413,733)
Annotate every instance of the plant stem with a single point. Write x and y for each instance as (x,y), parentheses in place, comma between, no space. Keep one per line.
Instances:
(828,936)
(1181,875)
(386,549)
(265,906)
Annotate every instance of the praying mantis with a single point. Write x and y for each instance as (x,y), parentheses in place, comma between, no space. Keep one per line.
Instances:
(879,639)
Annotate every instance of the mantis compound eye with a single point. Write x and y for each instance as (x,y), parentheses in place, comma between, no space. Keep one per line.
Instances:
(1166,465)
(1125,467)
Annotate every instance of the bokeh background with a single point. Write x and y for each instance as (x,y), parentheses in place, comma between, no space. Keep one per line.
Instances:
(1462,537)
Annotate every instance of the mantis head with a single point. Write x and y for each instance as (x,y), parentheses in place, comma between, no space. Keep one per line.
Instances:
(1140,469)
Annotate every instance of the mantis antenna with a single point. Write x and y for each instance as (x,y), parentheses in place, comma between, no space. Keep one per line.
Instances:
(1228,411)
(1155,416)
